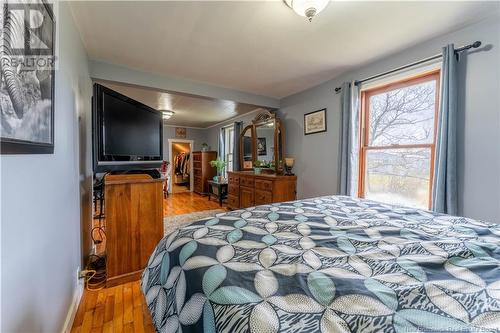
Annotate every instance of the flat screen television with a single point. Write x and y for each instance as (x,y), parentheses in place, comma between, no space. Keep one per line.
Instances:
(127,134)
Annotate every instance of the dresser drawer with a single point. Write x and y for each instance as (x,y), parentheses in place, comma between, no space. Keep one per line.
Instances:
(263,197)
(247,197)
(265,185)
(197,165)
(246,181)
(232,179)
(233,201)
(197,172)
(196,157)
(233,189)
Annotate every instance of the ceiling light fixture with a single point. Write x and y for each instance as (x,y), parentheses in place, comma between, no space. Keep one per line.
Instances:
(167,114)
(307,8)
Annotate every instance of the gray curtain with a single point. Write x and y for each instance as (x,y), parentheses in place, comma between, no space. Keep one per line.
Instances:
(349,150)
(221,142)
(444,190)
(236,148)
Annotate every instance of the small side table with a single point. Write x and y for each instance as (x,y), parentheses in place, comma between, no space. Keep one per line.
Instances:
(218,190)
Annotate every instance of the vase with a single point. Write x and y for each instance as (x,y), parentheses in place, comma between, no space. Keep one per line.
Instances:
(257,171)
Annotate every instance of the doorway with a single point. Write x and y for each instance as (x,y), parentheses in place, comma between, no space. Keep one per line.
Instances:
(181,165)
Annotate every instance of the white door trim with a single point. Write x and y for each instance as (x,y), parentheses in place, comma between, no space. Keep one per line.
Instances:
(170,157)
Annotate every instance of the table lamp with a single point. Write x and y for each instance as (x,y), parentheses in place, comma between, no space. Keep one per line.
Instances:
(289,162)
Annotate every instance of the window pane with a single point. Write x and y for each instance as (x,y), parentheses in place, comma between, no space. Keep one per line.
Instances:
(403,116)
(229,166)
(228,148)
(231,139)
(398,176)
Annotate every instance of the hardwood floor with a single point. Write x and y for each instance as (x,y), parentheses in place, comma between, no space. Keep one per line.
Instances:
(188,202)
(179,189)
(117,309)
(123,308)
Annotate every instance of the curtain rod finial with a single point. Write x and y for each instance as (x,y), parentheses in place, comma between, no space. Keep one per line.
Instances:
(476,44)
(338,89)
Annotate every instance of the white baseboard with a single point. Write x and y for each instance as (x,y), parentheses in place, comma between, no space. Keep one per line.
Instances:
(70,317)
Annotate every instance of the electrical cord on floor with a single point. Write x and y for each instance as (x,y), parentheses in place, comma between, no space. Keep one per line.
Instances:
(95,274)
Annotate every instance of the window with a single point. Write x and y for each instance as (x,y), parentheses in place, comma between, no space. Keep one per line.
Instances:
(228,148)
(398,136)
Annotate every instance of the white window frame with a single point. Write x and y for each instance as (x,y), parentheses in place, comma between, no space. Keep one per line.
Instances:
(228,148)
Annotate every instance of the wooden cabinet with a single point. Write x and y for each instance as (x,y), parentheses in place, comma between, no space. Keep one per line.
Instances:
(247,189)
(246,196)
(134,224)
(202,170)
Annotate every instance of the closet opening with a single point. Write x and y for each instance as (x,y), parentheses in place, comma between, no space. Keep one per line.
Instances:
(181,165)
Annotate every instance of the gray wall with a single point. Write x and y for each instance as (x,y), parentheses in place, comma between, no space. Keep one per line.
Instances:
(317,156)
(198,135)
(212,133)
(40,212)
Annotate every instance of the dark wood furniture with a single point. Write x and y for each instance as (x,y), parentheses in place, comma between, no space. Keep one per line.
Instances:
(246,189)
(134,224)
(264,139)
(218,190)
(202,170)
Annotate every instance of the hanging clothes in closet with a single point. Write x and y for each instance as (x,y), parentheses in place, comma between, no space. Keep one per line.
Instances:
(181,167)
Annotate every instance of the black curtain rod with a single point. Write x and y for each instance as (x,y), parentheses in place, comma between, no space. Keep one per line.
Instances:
(474,45)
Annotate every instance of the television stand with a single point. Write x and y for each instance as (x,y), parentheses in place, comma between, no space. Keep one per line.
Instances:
(134,224)
(154,173)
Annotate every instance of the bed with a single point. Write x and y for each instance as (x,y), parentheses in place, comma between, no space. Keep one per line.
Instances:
(327,264)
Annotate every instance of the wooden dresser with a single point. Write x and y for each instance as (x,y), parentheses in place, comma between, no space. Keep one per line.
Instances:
(247,189)
(202,170)
(134,224)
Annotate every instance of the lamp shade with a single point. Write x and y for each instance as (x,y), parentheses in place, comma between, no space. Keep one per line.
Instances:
(166,114)
(307,8)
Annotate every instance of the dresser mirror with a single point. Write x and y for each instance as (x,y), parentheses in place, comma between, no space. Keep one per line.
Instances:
(263,140)
(246,148)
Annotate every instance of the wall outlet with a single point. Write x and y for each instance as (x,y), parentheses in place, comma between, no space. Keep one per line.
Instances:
(79,277)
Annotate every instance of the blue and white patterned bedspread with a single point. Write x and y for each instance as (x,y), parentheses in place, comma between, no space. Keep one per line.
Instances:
(328,264)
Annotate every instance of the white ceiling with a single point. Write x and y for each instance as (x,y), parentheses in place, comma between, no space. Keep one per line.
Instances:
(190,110)
(261,47)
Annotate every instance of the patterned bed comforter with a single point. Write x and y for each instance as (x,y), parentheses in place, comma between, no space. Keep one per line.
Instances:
(328,264)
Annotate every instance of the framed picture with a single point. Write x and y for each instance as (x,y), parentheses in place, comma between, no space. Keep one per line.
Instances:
(261,146)
(180,132)
(315,122)
(27,80)
(247,164)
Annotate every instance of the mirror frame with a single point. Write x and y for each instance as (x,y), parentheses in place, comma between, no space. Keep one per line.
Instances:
(242,145)
(279,133)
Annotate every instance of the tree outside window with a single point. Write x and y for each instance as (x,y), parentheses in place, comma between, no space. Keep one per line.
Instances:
(398,141)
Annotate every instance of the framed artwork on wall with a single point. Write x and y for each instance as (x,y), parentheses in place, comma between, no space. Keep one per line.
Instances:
(180,132)
(27,79)
(315,122)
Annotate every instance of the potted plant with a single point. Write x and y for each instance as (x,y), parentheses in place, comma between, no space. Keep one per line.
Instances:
(204,146)
(257,166)
(219,164)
